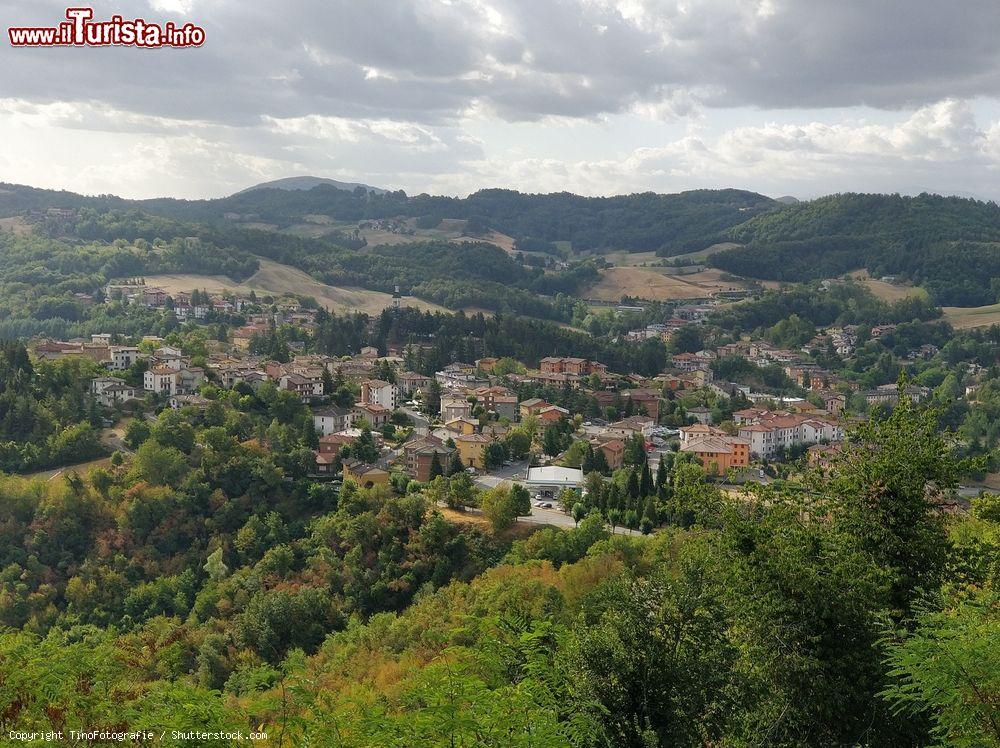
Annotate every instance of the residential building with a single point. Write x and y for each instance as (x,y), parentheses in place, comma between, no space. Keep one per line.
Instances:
(630,426)
(188,401)
(576,366)
(418,456)
(111,391)
(160,379)
(644,400)
(463,425)
(332,418)
(533,406)
(769,432)
(122,357)
(719,454)
(613,449)
(698,431)
(470,449)
(700,414)
(552,414)
(833,402)
(499,400)
(380,392)
(455,406)
(365,475)
(375,414)
(305,386)
(409,382)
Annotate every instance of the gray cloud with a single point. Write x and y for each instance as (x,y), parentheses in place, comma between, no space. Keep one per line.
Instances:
(429,61)
(386,90)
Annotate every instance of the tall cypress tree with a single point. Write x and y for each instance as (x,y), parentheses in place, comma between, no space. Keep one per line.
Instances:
(436,469)
(646,480)
(456,464)
(661,473)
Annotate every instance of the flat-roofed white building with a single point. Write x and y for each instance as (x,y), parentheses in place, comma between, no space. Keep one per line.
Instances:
(550,480)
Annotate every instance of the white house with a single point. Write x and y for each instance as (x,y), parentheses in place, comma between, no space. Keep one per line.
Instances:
(117,394)
(159,379)
(380,392)
(123,357)
(332,419)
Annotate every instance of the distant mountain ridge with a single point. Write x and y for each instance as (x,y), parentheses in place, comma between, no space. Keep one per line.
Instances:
(307,183)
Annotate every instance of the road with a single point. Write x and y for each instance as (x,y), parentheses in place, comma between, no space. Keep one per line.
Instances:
(513,473)
(420,423)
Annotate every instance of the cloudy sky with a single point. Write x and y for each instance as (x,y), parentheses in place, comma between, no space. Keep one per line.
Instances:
(799,97)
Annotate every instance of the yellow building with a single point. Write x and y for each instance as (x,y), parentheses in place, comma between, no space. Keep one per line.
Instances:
(463,426)
(365,475)
(470,449)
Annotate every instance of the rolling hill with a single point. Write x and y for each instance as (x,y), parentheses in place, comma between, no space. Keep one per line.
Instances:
(307,183)
(276,279)
(948,245)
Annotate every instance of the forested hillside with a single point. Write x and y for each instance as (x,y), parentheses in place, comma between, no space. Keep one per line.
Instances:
(79,252)
(948,245)
(207,585)
(641,222)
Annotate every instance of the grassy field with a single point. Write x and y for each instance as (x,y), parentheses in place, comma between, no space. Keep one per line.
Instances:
(702,254)
(276,279)
(887,291)
(654,285)
(625,259)
(962,317)
(81,468)
(16,225)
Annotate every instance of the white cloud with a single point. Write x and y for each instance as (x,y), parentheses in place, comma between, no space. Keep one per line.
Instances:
(398,91)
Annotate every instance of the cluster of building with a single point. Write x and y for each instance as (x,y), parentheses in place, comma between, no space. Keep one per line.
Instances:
(470,390)
(761,434)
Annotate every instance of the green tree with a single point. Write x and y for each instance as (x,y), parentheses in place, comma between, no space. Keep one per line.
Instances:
(886,485)
(364,447)
(435,469)
(947,668)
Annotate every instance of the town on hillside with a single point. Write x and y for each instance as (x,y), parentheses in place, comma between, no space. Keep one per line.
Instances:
(545,425)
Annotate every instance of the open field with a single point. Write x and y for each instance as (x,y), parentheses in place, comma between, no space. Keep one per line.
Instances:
(503,241)
(16,225)
(964,317)
(276,279)
(887,291)
(622,258)
(702,254)
(654,285)
(81,468)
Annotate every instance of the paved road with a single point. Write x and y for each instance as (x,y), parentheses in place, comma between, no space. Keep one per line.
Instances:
(420,422)
(513,473)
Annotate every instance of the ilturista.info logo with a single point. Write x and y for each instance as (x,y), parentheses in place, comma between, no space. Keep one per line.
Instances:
(81,30)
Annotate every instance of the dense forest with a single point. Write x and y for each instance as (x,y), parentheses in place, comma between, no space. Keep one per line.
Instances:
(41,270)
(640,222)
(203,584)
(950,246)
